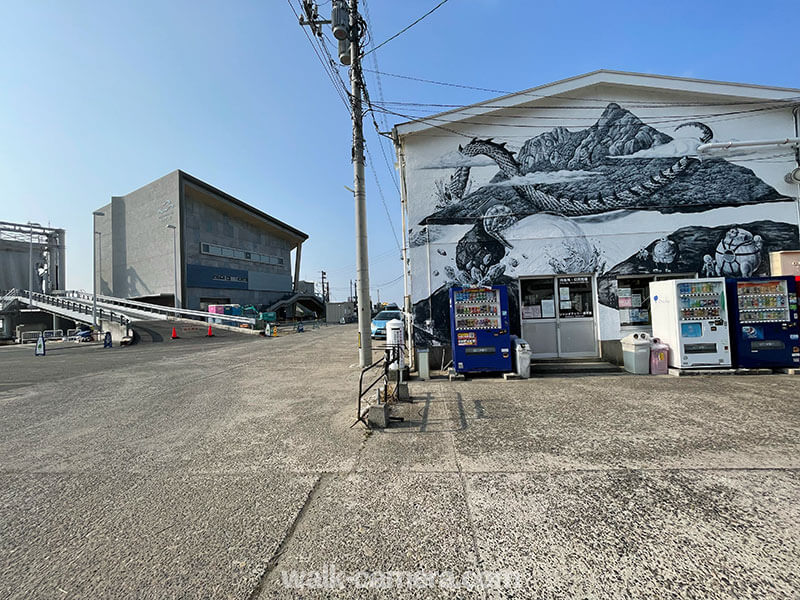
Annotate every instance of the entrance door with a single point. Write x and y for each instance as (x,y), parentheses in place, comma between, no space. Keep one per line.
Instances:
(558,316)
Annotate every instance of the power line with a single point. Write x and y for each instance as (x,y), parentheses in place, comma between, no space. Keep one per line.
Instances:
(326,67)
(380,285)
(661,118)
(534,94)
(383,198)
(402,31)
(384,121)
(431,121)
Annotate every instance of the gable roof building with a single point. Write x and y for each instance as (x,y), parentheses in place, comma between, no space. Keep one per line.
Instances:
(577,194)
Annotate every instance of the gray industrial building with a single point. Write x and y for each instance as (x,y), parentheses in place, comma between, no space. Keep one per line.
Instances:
(31,257)
(180,233)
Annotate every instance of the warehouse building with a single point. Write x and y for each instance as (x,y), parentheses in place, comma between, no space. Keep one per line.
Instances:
(577,194)
(179,237)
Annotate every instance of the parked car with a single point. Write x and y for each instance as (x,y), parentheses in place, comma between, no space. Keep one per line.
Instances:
(379,322)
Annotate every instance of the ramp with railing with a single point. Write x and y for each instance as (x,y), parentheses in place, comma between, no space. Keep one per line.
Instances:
(141,317)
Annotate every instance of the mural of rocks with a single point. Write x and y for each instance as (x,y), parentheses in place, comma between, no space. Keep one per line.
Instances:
(557,198)
(724,251)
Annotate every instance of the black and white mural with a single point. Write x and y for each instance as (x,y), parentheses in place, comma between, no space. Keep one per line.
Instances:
(616,198)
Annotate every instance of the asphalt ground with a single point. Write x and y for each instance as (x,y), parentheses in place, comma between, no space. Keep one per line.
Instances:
(227,468)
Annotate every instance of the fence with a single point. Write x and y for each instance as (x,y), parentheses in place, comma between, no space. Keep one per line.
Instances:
(29,336)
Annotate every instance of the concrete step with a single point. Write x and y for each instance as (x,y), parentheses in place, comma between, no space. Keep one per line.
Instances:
(576,367)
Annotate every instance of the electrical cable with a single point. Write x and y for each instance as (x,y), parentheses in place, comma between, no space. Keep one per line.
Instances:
(325,67)
(384,121)
(383,198)
(534,94)
(402,31)
(380,285)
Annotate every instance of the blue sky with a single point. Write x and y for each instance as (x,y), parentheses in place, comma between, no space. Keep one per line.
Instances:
(100,98)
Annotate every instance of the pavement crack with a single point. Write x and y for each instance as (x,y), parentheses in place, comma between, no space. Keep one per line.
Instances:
(470,520)
(320,483)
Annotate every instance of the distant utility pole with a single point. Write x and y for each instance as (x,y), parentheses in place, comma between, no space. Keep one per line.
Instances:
(345,23)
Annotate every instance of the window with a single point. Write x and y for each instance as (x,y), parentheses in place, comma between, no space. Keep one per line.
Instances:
(239,254)
(538,299)
(633,297)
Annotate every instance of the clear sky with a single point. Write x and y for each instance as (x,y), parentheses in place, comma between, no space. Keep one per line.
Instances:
(100,98)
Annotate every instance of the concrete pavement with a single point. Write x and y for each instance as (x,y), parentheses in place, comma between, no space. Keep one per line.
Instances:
(227,469)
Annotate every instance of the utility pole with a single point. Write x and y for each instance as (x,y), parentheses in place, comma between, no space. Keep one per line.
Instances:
(362,256)
(345,23)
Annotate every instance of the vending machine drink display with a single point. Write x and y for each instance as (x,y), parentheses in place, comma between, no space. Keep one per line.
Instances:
(479,329)
(690,316)
(764,322)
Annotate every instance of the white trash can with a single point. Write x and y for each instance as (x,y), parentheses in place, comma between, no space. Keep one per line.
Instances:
(636,353)
(395,338)
(522,357)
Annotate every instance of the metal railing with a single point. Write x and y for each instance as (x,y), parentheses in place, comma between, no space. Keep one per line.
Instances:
(391,355)
(157,309)
(8,298)
(29,336)
(68,303)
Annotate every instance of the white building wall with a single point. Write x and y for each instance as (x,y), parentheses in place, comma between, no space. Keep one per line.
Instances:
(694,210)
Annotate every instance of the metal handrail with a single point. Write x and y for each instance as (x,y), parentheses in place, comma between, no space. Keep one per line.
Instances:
(79,307)
(388,358)
(156,308)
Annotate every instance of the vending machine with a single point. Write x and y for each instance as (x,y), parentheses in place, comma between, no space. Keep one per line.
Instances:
(479,329)
(690,316)
(765,330)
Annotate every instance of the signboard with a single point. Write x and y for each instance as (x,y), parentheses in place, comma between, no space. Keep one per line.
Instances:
(215,277)
(467,338)
(40,350)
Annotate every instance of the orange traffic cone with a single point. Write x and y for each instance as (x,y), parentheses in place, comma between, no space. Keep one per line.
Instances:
(174,334)
(210,333)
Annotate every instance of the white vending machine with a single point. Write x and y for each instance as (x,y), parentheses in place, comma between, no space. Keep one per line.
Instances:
(691,316)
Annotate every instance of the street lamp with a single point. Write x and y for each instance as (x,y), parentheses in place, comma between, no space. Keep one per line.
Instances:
(30,263)
(175,265)
(95,237)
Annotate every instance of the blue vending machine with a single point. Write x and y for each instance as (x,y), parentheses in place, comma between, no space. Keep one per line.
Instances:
(479,329)
(764,324)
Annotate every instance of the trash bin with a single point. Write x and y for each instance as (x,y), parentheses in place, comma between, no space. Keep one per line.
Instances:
(522,357)
(636,353)
(423,366)
(659,357)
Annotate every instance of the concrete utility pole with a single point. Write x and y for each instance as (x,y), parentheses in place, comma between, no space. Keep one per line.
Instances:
(346,26)
(362,256)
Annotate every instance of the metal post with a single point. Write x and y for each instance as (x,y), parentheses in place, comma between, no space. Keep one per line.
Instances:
(175,264)
(95,237)
(362,257)
(30,267)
